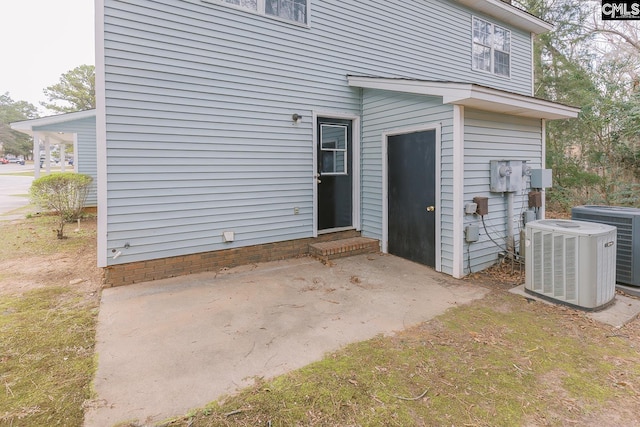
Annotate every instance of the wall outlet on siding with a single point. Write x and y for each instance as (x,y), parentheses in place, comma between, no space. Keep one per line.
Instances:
(296,210)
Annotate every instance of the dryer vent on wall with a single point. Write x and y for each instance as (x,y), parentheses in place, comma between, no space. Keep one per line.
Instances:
(627,221)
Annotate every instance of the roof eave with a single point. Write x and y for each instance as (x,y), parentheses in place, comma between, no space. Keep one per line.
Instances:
(510,14)
(473,96)
(26,126)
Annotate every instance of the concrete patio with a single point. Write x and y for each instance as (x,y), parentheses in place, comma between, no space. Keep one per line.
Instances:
(167,346)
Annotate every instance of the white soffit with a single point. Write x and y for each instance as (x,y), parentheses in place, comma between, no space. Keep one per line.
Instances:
(27,126)
(473,96)
(508,13)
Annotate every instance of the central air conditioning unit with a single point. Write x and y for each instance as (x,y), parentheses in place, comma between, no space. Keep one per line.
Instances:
(573,262)
(627,221)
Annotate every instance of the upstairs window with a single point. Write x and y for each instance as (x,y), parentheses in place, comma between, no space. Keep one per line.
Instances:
(247,4)
(291,10)
(491,48)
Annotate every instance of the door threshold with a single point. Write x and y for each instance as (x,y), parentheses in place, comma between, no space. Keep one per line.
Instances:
(335,230)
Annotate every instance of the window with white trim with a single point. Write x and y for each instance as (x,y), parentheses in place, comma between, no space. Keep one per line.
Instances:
(291,10)
(491,48)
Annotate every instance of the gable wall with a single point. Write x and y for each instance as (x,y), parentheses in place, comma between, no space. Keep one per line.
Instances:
(199,99)
(85,159)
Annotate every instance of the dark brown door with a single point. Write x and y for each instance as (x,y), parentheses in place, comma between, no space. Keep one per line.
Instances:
(412,196)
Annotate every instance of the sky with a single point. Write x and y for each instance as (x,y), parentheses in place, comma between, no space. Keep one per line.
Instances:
(39,41)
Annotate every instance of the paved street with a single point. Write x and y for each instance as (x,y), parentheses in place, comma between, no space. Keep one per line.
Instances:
(13,189)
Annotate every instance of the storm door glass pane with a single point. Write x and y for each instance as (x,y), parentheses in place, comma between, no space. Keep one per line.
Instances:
(333,148)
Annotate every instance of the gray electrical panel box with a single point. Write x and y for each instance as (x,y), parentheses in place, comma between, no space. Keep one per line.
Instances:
(472,233)
(541,178)
(506,175)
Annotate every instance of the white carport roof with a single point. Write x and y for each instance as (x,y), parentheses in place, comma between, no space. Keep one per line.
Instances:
(27,126)
(471,95)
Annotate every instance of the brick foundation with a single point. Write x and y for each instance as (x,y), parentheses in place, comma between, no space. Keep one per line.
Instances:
(143,271)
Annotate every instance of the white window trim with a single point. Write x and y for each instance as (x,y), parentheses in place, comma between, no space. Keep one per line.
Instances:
(491,46)
(261,10)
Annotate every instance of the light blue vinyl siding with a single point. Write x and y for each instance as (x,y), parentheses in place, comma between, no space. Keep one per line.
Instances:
(385,112)
(199,98)
(85,159)
(489,137)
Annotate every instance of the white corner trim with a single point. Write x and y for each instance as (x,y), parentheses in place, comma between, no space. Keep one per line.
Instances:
(458,191)
(101,136)
(314,171)
(356,164)
(533,65)
(543,194)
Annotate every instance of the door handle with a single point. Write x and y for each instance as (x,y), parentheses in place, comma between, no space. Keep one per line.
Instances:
(317,177)
(431,208)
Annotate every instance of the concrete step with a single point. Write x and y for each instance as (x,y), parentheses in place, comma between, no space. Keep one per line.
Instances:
(343,248)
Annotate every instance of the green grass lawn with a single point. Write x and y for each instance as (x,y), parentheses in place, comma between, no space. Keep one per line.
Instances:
(47,327)
(46,355)
(500,361)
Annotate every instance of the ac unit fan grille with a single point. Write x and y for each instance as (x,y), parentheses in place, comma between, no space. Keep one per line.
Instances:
(555,265)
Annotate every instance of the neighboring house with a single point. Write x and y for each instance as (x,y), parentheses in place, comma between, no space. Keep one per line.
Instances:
(77,128)
(235,131)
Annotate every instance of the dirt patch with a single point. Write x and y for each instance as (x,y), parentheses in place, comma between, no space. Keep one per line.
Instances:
(72,261)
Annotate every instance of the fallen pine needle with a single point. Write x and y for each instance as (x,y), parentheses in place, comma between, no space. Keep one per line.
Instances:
(236,412)
(412,398)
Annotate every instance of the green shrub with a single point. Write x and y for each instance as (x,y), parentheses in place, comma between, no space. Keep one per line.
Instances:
(64,193)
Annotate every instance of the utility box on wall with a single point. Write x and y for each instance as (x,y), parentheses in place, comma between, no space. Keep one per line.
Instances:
(506,176)
(541,178)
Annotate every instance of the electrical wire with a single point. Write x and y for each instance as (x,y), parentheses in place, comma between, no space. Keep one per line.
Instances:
(497,232)
(494,229)
(522,210)
(494,242)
